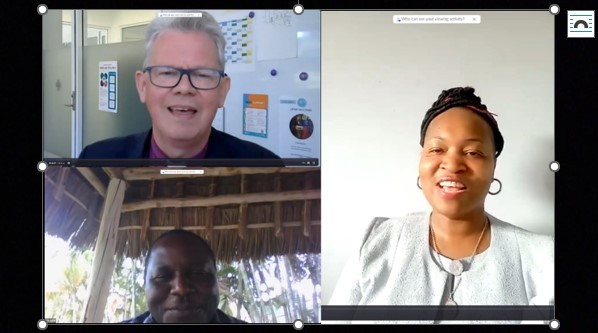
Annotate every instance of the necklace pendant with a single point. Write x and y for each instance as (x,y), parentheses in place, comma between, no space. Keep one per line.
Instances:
(451,302)
(456,267)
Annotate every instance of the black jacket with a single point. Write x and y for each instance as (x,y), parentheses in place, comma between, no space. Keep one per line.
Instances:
(220,145)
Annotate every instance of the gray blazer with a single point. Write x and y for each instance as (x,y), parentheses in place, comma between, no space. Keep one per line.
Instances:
(395,265)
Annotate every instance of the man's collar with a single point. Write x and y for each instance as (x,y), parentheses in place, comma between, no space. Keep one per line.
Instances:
(149,319)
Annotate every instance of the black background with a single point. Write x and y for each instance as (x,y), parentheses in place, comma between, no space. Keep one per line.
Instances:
(576,142)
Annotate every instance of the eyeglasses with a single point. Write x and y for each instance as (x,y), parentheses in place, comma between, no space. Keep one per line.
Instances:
(169,77)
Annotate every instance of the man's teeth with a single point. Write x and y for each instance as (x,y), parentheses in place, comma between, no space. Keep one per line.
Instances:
(182,110)
(447,183)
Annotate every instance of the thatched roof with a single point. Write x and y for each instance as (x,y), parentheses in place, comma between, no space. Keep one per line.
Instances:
(241,212)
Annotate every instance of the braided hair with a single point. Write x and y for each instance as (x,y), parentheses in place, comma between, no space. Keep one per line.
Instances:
(465,97)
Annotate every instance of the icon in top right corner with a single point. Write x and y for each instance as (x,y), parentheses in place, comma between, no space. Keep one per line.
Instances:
(580,24)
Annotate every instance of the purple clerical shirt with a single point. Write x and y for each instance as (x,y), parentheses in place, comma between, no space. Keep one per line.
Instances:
(155,151)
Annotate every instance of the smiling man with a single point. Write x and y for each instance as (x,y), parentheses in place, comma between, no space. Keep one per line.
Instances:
(182,84)
(180,282)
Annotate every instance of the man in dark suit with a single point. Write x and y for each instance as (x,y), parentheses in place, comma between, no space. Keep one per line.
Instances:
(182,85)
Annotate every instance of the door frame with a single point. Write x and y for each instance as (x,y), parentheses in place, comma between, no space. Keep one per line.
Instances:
(78,34)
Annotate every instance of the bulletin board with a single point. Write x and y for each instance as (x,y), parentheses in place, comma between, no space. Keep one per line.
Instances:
(274,53)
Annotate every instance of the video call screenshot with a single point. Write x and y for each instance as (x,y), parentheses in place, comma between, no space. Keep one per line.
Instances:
(314,168)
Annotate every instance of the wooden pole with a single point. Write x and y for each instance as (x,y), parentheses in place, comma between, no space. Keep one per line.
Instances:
(93,180)
(277,209)
(209,218)
(145,232)
(242,231)
(103,262)
(307,208)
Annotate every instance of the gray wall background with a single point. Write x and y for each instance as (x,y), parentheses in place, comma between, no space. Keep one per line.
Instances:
(132,115)
(379,78)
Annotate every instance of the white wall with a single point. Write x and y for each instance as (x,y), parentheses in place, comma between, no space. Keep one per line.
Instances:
(99,18)
(378,80)
(128,18)
(114,20)
(257,80)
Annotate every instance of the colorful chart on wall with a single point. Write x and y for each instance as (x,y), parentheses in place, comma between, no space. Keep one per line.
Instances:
(239,36)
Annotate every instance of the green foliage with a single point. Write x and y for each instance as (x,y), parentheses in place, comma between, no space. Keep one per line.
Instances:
(127,294)
(259,291)
(276,289)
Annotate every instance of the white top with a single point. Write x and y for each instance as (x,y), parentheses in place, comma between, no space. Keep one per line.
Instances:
(396,266)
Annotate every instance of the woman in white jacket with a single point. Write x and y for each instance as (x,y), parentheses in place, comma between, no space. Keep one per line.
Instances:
(456,253)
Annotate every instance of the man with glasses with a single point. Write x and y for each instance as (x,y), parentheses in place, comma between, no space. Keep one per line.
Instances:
(182,84)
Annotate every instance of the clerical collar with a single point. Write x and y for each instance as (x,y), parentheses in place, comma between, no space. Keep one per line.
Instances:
(156,152)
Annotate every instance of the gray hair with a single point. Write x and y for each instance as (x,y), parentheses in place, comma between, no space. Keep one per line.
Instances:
(206,24)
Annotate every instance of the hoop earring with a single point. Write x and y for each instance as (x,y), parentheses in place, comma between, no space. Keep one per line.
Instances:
(499,189)
(419,186)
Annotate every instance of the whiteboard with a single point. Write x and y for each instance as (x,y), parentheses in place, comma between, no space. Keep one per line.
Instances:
(286,45)
(281,41)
